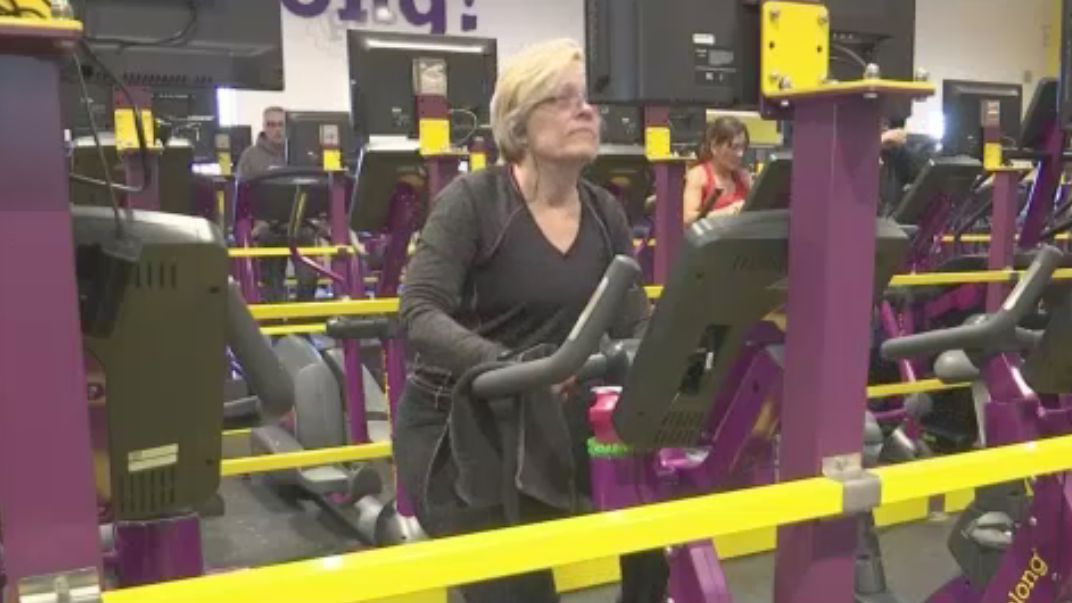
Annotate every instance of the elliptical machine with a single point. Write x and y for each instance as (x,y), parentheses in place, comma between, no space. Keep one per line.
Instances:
(1010,542)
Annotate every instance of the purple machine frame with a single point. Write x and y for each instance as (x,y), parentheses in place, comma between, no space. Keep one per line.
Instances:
(47,496)
(1037,567)
(832,246)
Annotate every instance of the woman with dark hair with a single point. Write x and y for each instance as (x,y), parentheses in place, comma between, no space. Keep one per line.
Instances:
(718,184)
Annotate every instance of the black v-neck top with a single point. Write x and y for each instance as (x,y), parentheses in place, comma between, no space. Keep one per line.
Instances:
(485,280)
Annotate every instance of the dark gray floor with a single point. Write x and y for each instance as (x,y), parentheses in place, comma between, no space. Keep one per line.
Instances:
(261,528)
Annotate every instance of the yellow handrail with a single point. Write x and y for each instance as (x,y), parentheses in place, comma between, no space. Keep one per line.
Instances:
(392,572)
(367,452)
(307,458)
(283,252)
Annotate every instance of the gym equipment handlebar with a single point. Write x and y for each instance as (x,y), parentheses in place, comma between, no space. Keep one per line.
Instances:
(574,354)
(996,330)
(263,370)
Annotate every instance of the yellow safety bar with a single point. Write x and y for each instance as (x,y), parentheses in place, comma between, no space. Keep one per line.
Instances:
(390,305)
(282,252)
(417,568)
(387,305)
(367,452)
(306,458)
(985,238)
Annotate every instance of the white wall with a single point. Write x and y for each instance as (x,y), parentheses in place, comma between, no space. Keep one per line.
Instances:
(315,48)
(997,40)
(992,40)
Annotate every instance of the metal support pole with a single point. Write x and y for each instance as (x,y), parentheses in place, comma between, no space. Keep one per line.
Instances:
(47,494)
(669,191)
(1002,234)
(836,147)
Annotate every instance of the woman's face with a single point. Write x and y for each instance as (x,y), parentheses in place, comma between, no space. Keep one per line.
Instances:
(564,127)
(730,155)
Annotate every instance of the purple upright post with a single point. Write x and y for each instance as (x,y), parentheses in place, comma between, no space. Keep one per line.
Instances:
(243,231)
(892,327)
(47,498)
(343,263)
(836,146)
(1002,234)
(353,286)
(442,169)
(669,215)
(1044,192)
(399,232)
(669,200)
(161,550)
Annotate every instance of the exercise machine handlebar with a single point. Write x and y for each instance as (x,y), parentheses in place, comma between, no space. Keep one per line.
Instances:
(577,355)
(267,377)
(997,329)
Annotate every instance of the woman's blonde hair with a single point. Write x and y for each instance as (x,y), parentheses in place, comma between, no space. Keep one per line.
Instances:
(529,78)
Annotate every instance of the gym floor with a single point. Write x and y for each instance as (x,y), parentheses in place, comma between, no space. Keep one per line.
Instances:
(262,527)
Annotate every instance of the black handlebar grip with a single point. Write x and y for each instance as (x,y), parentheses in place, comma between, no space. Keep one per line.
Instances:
(993,329)
(1025,295)
(582,342)
(267,377)
(362,328)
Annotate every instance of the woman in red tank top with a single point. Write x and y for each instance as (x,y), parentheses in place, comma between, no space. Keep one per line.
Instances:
(718,183)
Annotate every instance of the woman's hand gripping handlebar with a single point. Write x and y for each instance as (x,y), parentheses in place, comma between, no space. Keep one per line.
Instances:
(577,356)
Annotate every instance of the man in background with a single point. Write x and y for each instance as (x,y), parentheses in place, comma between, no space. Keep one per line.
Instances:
(269,153)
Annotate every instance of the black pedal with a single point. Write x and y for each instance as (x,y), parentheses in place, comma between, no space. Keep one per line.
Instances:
(104,272)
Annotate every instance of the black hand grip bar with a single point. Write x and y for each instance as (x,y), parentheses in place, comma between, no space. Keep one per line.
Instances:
(285,175)
(263,371)
(362,328)
(996,329)
(582,342)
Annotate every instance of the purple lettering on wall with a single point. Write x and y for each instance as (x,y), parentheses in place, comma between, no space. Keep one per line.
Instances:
(469,21)
(436,15)
(353,10)
(307,8)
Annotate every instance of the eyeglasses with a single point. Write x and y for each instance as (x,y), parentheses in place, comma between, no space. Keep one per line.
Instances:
(567,101)
(274,124)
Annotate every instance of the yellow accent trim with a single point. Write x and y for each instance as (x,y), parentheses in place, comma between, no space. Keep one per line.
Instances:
(903,512)
(795,44)
(657,143)
(274,252)
(126,134)
(332,160)
(424,566)
(971,470)
(920,89)
(434,136)
(234,433)
(35,23)
(433,565)
(993,157)
(281,331)
(956,502)
(478,161)
(1052,37)
(221,206)
(362,307)
(890,390)
(587,574)
(985,238)
(225,162)
(308,458)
